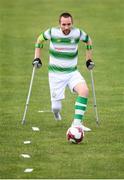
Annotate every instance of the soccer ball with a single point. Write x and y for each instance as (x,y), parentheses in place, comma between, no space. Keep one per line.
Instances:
(75,135)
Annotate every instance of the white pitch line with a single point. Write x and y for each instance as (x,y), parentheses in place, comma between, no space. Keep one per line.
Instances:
(27,142)
(45,111)
(28,170)
(35,129)
(25,155)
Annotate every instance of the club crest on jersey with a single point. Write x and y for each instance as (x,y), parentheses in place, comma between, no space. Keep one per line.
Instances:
(72,41)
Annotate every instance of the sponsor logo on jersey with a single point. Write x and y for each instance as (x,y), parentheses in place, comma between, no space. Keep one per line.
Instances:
(64,48)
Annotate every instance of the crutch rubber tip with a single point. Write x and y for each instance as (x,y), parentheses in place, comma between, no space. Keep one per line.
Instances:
(23,122)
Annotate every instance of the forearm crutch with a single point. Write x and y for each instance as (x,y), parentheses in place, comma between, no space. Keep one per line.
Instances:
(94,97)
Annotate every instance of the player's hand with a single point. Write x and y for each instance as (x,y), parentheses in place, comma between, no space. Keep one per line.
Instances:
(90,64)
(37,63)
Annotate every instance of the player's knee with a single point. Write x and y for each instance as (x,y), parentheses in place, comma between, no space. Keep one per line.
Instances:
(84,92)
(56,106)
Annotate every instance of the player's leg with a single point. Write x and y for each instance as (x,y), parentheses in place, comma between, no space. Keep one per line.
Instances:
(57,91)
(56,109)
(81,104)
(80,87)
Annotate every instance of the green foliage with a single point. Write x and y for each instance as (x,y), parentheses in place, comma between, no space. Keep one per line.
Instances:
(101,154)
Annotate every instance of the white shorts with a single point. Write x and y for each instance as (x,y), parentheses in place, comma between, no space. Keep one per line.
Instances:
(58,83)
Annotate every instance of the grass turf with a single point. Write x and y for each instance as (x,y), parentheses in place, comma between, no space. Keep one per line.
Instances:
(101,153)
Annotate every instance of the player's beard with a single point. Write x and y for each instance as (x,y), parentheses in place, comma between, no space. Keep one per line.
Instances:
(66,31)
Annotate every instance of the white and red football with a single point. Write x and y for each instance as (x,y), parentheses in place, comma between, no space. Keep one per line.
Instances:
(75,135)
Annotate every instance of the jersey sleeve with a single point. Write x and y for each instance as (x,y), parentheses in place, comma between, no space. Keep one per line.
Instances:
(84,37)
(46,35)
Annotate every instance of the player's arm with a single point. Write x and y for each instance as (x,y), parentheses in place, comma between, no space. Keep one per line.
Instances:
(88,42)
(89,61)
(89,49)
(38,46)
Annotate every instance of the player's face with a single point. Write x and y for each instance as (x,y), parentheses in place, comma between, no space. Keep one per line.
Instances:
(66,25)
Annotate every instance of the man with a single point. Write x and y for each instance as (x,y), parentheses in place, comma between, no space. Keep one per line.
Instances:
(63,65)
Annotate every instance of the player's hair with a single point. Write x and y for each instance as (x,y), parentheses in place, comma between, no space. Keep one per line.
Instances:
(65,15)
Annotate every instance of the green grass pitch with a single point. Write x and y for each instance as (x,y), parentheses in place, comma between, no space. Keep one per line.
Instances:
(101,154)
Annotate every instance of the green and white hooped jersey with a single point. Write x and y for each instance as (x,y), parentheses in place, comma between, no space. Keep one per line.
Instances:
(64,49)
